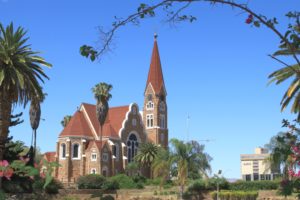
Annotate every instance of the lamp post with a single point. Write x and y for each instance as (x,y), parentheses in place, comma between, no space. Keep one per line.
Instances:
(218,182)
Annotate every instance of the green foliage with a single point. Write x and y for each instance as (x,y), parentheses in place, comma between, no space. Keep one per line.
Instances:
(286,187)
(111,185)
(70,198)
(91,181)
(132,168)
(50,166)
(197,186)
(146,154)
(254,185)
(17,185)
(51,188)
(139,179)
(2,195)
(235,195)
(212,183)
(107,197)
(154,181)
(124,181)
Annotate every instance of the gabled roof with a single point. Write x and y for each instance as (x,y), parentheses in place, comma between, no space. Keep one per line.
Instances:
(113,122)
(155,75)
(50,156)
(78,126)
(97,144)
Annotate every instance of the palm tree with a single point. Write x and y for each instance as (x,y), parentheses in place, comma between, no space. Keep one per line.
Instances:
(146,154)
(20,75)
(35,116)
(188,157)
(289,72)
(102,95)
(66,120)
(180,157)
(161,165)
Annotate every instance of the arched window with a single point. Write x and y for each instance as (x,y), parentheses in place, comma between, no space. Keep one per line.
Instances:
(104,171)
(93,171)
(75,151)
(150,105)
(132,147)
(63,150)
(115,150)
(149,120)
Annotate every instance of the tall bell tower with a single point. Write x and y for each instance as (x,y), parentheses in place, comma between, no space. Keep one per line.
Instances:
(155,115)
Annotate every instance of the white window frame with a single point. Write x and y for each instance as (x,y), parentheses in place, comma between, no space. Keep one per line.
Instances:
(61,151)
(150,105)
(76,158)
(93,154)
(149,121)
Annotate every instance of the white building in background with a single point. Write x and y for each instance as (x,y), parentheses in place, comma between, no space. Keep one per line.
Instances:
(256,166)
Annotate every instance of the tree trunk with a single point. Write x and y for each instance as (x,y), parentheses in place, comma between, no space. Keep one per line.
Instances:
(101,150)
(34,147)
(5,113)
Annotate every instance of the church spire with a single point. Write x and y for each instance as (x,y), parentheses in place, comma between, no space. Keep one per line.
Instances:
(155,75)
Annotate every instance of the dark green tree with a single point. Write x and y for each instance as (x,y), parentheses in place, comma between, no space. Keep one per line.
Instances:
(102,95)
(20,75)
(66,120)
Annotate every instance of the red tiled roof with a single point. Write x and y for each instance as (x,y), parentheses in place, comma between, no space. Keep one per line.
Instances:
(50,156)
(155,75)
(113,122)
(77,126)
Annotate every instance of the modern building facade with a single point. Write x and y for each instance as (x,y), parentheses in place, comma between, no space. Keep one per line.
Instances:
(126,128)
(256,166)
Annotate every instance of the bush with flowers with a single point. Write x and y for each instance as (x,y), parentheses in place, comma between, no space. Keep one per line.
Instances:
(19,176)
(287,154)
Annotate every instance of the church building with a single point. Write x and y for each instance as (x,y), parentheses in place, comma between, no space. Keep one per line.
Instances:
(126,128)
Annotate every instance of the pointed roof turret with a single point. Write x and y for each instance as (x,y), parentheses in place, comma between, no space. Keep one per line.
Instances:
(155,75)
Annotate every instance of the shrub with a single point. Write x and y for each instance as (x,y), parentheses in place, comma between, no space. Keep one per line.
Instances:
(155,192)
(139,185)
(111,185)
(197,186)
(155,181)
(125,182)
(254,185)
(53,187)
(139,179)
(91,181)
(235,195)
(212,183)
(107,197)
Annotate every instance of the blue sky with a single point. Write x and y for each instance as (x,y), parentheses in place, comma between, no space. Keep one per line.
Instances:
(215,70)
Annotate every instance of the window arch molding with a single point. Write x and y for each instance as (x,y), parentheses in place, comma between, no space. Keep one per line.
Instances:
(75,151)
(63,150)
(132,142)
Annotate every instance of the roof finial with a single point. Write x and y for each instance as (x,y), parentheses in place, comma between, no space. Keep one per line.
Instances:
(155,36)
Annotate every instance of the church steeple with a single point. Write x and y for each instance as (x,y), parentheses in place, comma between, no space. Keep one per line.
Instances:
(155,115)
(155,75)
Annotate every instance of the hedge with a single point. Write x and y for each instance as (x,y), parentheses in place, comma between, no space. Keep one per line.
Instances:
(254,185)
(235,195)
(91,181)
